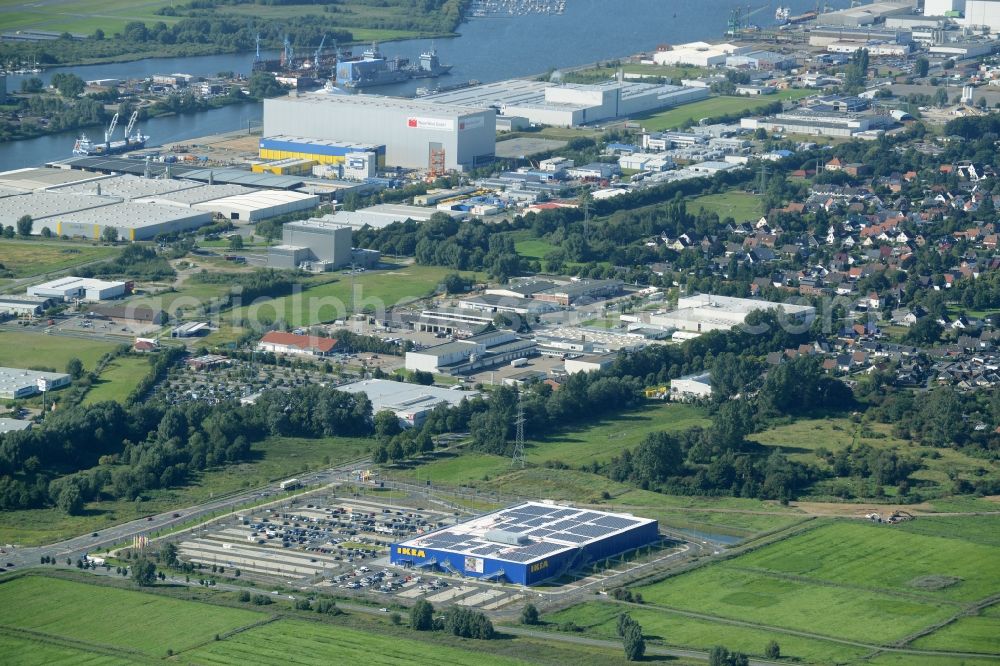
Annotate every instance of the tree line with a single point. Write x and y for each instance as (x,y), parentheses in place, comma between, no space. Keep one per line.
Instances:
(109,450)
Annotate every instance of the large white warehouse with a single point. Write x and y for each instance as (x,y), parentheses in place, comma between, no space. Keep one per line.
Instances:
(411,130)
(983,13)
(571,104)
(86,289)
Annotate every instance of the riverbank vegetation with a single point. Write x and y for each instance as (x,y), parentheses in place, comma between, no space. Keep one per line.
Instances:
(206,27)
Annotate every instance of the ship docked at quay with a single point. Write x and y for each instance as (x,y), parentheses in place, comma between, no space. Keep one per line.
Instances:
(374,69)
(136,141)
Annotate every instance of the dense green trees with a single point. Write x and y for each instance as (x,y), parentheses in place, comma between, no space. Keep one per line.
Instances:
(529,614)
(467,623)
(721,656)
(24,225)
(68,85)
(422,616)
(108,450)
(143,572)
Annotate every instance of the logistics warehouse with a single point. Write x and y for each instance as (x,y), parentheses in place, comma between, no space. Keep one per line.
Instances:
(527,543)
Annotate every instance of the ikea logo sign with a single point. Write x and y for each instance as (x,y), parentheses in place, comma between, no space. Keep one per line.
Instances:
(538,566)
(413,552)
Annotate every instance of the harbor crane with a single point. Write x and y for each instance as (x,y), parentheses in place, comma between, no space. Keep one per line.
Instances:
(131,124)
(319,49)
(110,131)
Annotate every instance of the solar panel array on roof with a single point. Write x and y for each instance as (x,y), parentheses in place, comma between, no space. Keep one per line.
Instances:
(549,529)
(615,523)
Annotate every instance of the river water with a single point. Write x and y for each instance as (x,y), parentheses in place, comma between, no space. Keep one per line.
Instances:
(487,49)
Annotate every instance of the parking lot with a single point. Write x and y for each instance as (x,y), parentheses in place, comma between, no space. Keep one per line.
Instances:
(340,543)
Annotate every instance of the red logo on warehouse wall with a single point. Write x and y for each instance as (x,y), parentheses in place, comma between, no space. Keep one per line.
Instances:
(411,122)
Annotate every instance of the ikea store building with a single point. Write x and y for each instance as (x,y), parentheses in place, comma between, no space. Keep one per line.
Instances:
(527,543)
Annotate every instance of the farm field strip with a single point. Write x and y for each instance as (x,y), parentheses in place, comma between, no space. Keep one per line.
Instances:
(675,629)
(145,623)
(305,643)
(848,553)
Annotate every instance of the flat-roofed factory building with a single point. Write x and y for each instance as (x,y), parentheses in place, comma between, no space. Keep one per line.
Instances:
(526,544)
(412,131)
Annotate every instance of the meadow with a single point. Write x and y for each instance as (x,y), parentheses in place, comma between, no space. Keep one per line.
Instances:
(56,621)
(779,601)
(29,651)
(741,206)
(272,459)
(713,107)
(25,258)
(306,643)
(979,633)
(846,553)
(30,350)
(329,297)
(119,379)
(599,441)
(853,580)
(599,619)
(105,616)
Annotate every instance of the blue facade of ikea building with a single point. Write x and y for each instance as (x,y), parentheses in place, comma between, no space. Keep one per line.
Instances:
(540,553)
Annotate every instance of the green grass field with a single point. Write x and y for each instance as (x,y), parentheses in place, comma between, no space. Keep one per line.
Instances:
(533,248)
(25,258)
(741,206)
(88,614)
(838,612)
(847,553)
(49,621)
(298,642)
(80,16)
(329,297)
(275,458)
(712,107)
(968,634)
(600,441)
(731,516)
(599,619)
(32,652)
(119,379)
(26,350)
(851,580)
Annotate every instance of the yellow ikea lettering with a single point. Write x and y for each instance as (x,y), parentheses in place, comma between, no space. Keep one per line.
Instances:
(538,566)
(413,552)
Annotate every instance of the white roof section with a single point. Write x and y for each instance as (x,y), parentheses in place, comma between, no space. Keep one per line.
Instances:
(70,283)
(379,102)
(386,394)
(40,178)
(732,304)
(317,223)
(40,205)
(546,529)
(127,187)
(129,215)
(12,379)
(258,200)
(382,215)
(13,425)
(188,197)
